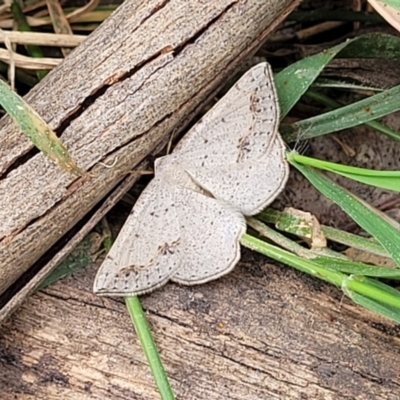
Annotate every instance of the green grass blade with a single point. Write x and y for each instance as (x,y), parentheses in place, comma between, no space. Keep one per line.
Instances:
(358,242)
(332,104)
(383,179)
(149,348)
(84,254)
(33,126)
(374,291)
(374,295)
(293,81)
(368,287)
(373,45)
(146,339)
(345,117)
(379,286)
(299,263)
(23,26)
(335,235)
(375,306)
(357,268)
(359,211)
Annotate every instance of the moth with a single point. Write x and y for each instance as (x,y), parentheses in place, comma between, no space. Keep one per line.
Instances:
(187,223)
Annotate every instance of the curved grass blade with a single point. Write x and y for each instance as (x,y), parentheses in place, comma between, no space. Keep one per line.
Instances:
(388,310)
(361,212)
(389,180)
(373,45)
(386,298)
(33,126)
(375,306)
(345,117)
(387,306)
(293,81)
(332,104)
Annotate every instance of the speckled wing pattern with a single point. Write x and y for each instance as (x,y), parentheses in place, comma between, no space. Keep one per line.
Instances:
(145,253)
(210,241)
(187,223)
(235,151)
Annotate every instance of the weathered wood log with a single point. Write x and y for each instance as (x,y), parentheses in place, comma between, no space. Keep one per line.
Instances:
(140,76)
(261,332)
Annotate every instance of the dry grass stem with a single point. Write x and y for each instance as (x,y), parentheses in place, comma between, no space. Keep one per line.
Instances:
(29,62)
(43,39)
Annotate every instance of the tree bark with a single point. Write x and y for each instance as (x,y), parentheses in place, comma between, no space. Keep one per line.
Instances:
(142,75)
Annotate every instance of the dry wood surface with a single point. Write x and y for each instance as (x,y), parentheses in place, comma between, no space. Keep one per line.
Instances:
(261,332)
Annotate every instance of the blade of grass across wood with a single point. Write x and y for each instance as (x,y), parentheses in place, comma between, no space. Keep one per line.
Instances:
(369,288)
(362,213)
(33,126)
(387,305)
(285,257)
(383,179)
(375,306)
(149,348)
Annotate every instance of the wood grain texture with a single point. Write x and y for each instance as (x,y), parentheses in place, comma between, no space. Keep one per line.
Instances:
(141,75)
(261,332)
